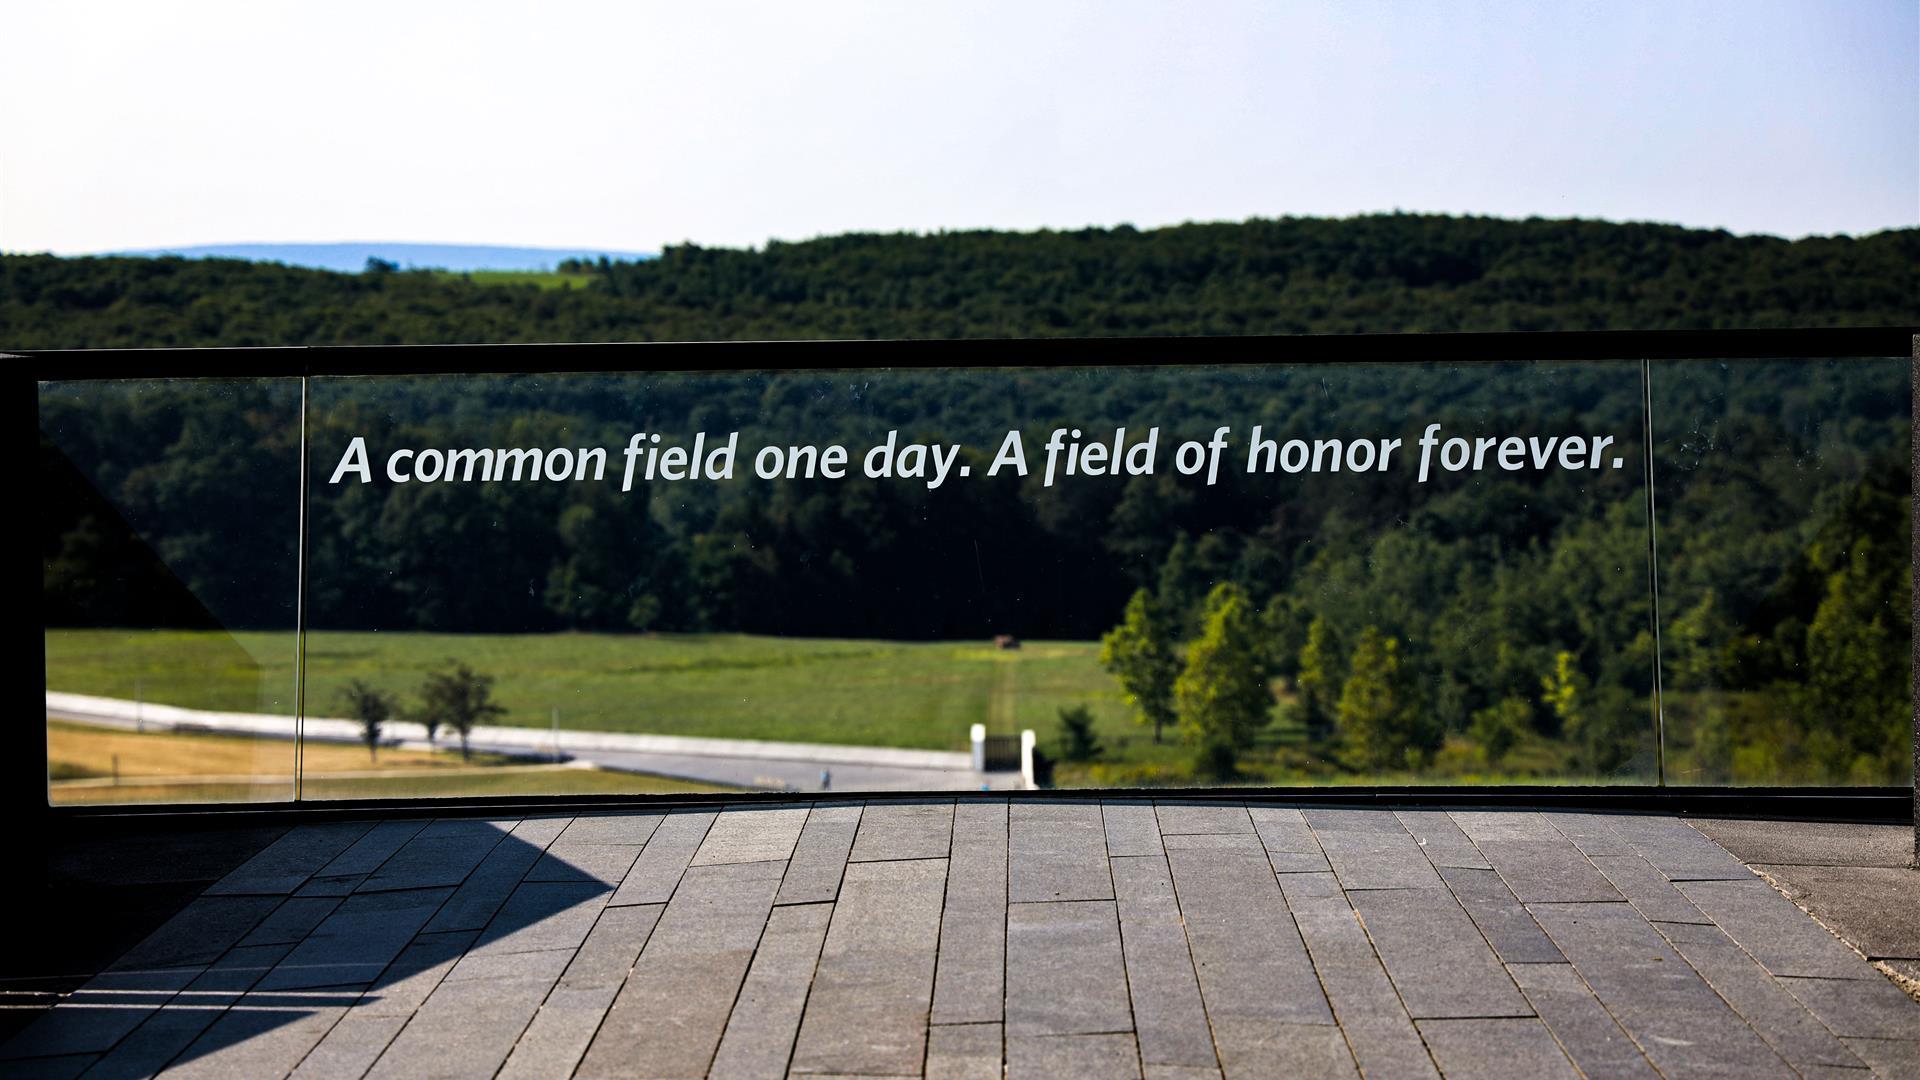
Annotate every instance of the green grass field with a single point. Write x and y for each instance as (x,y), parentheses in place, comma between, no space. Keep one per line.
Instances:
(877,693)
(545,279)
(874,693)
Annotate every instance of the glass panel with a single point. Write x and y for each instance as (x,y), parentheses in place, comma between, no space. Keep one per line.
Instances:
(169,530)
(1785,572)
(1488,624)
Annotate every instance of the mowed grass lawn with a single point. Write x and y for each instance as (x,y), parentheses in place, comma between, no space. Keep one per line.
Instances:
(876,693)
(90,764)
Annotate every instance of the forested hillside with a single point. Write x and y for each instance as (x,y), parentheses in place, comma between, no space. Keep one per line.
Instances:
(1293,275)
(1495,609)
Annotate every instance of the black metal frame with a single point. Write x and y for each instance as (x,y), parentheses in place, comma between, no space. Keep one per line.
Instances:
(22,764)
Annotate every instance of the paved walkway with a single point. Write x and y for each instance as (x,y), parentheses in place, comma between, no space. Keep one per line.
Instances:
(1042,938)
(753,764)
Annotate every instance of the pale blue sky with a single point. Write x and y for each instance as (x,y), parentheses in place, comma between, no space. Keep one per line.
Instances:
(630,125)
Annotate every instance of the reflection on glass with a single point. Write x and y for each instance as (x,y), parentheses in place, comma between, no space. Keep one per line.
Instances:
(1785,574)
(1490,623)
(169,531)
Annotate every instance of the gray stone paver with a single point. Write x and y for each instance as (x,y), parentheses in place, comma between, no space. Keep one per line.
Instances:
(1172,940)
(1647,889)
(1585,1029)
(1057,851)
(873,991)
(1497,1048)
(691,969)
(1168,1016)
(969,985)
(752,834)
(759,1034)
(1065,975)
(1500,917)
(903,830)
(1445,843)
(1437,959)
(820,854)
(1131,827)
(1762,1001)
(1777,933)
(964,1052)
(669,848)
(1664,1005)
(1370,849)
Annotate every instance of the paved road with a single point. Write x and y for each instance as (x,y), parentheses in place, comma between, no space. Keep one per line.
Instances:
(1025,938)
(743,763)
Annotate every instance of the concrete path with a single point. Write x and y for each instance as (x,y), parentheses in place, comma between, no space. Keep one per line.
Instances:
(741,763)
(1031,938)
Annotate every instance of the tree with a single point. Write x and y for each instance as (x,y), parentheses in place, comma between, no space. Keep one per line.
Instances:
(1323,671)
(1081,743)
(1857,694)
(458,698)
(1599,725)
(1498,727)
(371,708)
(1378,715)
(1222,696)
(1140,653)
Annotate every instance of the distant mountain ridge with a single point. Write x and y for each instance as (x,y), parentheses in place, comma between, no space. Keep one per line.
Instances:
(352,257)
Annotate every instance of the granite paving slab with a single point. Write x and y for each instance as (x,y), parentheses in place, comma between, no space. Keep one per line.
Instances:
(1201,817)
(1500,917)
(1661,1002)
(1766,1005)
(1369,849)
(1048,1057)
(1247,954)
(1647,889)
(1584,1028)
(903,830)
(287,863)
(1445,843)
(473,904)
(995,937)
(440,855)
(743,834)
(1435,956)
(1497,1049)
(1057,851)
(1778,934)
(656,873)
(964,1052)
(759,1035)
(1131,826)
(1168,1017)
(873,992)
(1381,1036)
(691,969)
(820,854)
(1065,974)
(970,980)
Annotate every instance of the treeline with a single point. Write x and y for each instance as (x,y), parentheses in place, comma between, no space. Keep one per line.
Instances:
(1505,607)
(1400,272)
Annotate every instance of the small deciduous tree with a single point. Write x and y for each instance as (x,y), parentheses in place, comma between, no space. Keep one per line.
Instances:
(1322,675)
(1379,714)
(1601,725)
(1497,728)
(1222,696)
(1140,653)
(370,708)
(459,698)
